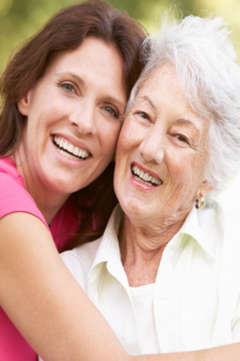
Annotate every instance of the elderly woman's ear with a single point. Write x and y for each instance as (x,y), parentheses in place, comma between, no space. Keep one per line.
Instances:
(203,191)
(205,188)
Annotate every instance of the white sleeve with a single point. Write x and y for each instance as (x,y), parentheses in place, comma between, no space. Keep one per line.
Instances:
(73,263)
(236,322)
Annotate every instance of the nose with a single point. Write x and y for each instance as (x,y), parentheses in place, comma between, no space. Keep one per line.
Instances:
(83,118)
(152,147)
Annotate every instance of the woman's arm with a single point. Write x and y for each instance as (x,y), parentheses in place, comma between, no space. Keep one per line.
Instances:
(47,305)
(44,301)
(222,353)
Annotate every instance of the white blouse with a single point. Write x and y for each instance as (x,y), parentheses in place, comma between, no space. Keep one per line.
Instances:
(195,301)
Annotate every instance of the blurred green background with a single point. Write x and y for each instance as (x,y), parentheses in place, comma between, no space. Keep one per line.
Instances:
(19,19)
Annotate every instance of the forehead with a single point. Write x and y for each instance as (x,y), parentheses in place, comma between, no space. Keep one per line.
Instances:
(88,51)
(163,92)
(96,63)
(162,82)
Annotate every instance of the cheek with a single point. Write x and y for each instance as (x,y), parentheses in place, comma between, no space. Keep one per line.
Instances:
(121,157)
(130,135)
(186,178)
(198,167)
(186,166)
(182,171)
(109,137)
(121,152)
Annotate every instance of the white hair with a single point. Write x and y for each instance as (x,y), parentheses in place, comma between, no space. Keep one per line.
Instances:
(202,53)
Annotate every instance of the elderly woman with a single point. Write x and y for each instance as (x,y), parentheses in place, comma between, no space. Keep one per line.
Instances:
(159,272)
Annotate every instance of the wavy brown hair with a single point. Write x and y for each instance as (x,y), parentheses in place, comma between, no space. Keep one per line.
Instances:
(65,32)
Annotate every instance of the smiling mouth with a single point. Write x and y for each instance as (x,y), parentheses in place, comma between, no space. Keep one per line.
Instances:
(69,150)
(145,177)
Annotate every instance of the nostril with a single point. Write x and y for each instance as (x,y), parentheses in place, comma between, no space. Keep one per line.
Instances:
(83,125)
(151,153)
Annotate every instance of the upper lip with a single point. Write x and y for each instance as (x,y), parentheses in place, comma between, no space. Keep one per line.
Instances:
(150,172)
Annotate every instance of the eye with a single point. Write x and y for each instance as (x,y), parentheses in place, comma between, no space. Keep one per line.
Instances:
(68,86)
(143,115)
(182,138)
(112,111)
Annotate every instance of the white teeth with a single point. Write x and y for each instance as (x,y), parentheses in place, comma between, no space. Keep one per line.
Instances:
(64,145)
(67,154)
(145,176)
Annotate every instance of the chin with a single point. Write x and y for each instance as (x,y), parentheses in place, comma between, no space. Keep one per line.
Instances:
(132,208)
(62,187)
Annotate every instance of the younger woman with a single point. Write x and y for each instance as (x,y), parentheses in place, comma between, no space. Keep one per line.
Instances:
(64,95)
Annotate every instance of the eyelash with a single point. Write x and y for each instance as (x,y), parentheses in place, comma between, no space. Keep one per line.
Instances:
(112,111)
(66,85)
(143,115)
(182,138)
(71,88)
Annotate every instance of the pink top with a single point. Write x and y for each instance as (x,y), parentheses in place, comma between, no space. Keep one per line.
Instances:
(15,198)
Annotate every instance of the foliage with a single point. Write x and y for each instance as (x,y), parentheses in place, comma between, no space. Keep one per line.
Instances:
(20,19)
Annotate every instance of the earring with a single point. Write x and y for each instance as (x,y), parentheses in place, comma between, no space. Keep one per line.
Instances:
(199,202)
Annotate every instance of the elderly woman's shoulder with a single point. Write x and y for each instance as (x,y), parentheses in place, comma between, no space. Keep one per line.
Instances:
(80,259)
(230,216)
(222,219)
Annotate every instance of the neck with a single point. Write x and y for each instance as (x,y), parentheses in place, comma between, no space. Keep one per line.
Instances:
(142,249)
(48,207)
(48,202)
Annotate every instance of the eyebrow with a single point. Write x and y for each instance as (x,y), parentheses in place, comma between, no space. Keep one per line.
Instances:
(148,100)
(189,123)
(78,79)
(181,121)
(73,76)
